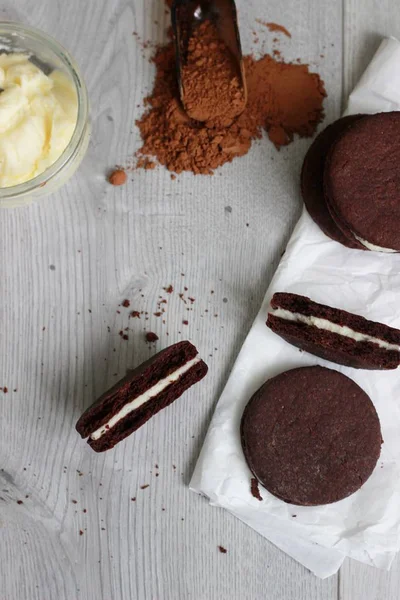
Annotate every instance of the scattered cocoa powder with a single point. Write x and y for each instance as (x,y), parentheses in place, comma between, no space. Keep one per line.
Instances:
(169,289)
(126,303)
(117,177)
(210,78)
(283,98)
(255,489)
(135,314)
(275,28)
(145,163)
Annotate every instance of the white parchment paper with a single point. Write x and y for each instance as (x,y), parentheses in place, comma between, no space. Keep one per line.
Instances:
(365,526)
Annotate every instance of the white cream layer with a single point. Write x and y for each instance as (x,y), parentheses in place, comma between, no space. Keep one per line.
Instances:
(372,246)
(282,313)
(143,398)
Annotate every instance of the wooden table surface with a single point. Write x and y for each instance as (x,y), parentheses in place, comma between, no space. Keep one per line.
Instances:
(67,264)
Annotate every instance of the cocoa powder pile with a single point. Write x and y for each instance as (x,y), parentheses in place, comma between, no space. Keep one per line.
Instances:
(283,99)
(210,80)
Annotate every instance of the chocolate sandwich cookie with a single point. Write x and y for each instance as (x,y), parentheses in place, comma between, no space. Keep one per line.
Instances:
(311,436)
(312,181)
(140,395)
(334,334)
(362,182)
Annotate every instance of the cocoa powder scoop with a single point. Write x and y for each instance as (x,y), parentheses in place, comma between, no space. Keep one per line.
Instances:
(210,68)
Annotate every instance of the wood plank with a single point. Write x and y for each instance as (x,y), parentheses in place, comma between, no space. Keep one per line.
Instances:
(108,244)
(365,24)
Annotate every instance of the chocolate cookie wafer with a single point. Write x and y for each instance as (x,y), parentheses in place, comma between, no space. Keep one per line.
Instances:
(362,182)
(311,436)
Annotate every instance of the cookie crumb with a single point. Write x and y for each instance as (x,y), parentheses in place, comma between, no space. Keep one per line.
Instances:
(222,549)
(143,487)
(126,303)
(255,489)
(133,499)
(80,532)
(151,337)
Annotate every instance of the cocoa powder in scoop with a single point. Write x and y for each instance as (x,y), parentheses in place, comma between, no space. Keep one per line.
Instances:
(283,99)
(210,78)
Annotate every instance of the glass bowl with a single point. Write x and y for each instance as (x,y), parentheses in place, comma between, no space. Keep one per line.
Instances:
(47,53)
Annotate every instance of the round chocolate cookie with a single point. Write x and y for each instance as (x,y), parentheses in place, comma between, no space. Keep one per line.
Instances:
(362,181)
(311,436)
(312,180)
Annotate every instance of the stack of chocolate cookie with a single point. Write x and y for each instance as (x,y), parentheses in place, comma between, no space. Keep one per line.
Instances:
(351,181)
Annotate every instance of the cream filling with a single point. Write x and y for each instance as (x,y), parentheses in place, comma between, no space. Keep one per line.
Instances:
(143,398)
(372,246)
(326,325)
